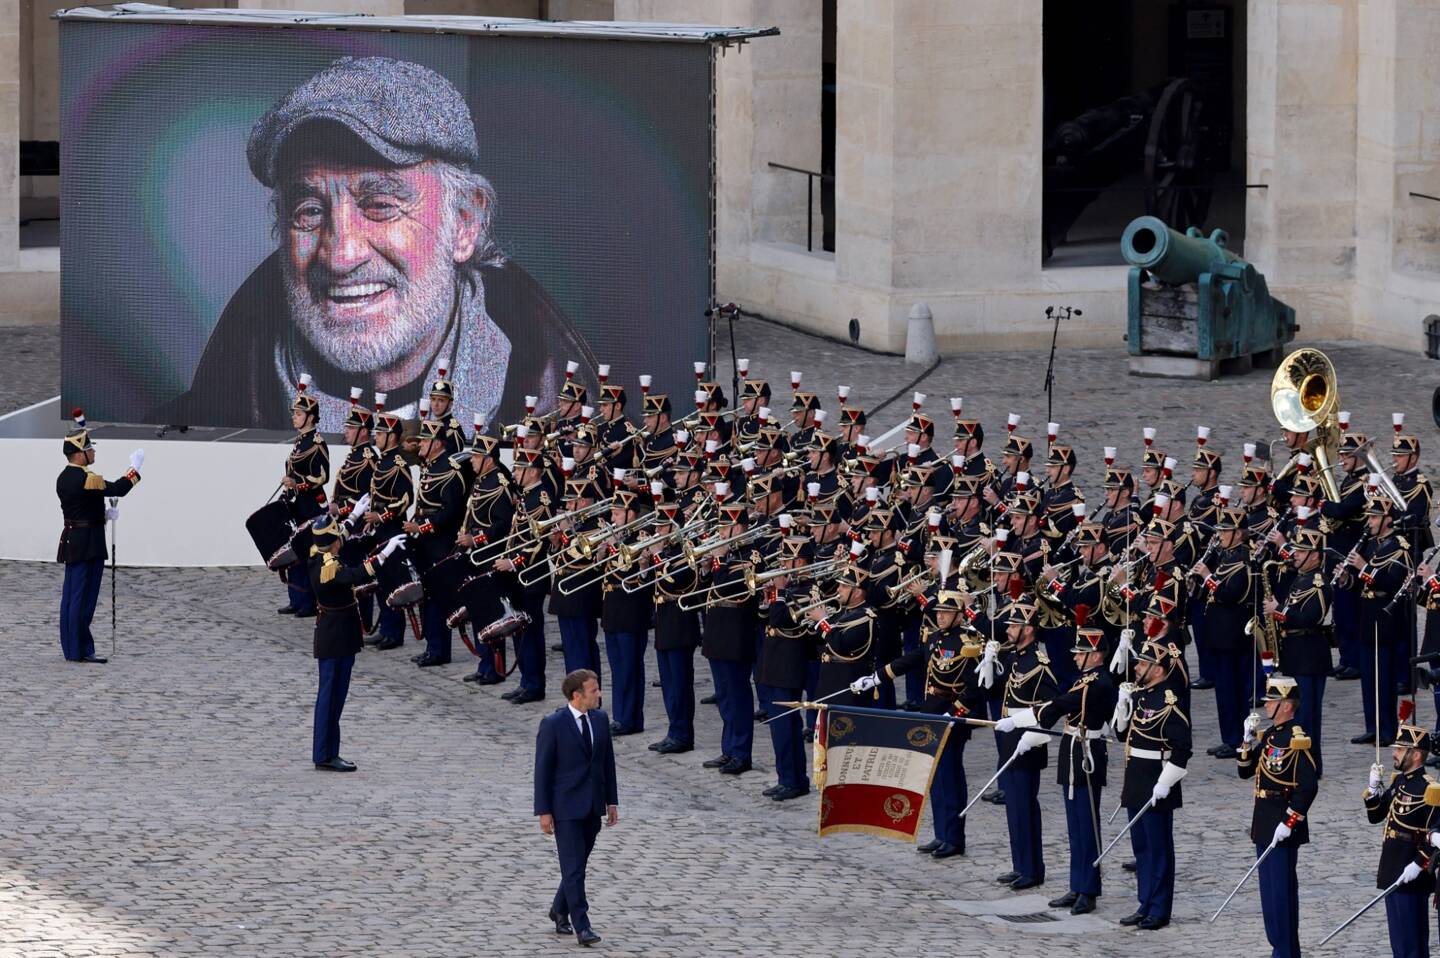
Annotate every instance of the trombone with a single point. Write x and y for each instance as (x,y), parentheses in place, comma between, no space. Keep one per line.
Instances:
(693,554)
(635,581)
(538,527)
(817,570)
(582,578)
(579,549)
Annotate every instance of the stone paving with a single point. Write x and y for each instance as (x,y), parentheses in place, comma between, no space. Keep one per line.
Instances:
(165,804)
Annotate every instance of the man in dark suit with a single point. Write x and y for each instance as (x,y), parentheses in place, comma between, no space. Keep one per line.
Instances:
(574,789)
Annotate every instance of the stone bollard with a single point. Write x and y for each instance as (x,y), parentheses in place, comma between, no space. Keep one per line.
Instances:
(920,349)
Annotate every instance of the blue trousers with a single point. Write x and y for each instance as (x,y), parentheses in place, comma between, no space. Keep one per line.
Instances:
(437,634)
(1153,842)
(1082,813)
(626,652)
(1408,916)
(915,678)
(677,688)
(787,737)
(580,638)
(812,682)
(574,840)
(1310,713)
(297,584)
(392,623)
(329,703)
(1388,716)
(1280,900)
(1203,655)
(737,708)
(77,607)
(1345,610)
(1022,815)
(367,610)
(530,644)
(1057,644)
(1230,670)
(949,793)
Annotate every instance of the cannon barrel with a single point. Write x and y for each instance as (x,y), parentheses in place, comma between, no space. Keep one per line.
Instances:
(1171,256)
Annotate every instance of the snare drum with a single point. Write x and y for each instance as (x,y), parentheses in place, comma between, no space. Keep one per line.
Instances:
(442,584)
(478,601)
(272,529)
(398,582)
(507,624)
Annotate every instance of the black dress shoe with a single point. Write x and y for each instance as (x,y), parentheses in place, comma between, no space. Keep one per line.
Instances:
(335,765)
(1020,884)
(735,767)
(1347,674)
(1202,684)
(493,679)
(1006,878)
(1084,905)
(622,730)
(1133,919)
(562,923)
(286,610)
(1129,865)
(527,696)
(761,715)
(676,748)
(558,647)
(1152,923)
(929,847)
(1226,751)
(1366,739)
(1064,901)
(305,614)
(417,657)
(772,789)
(809,735)
(709,700)
(787,794)
(472,677)
(95,659)
(947,850)
(655,746)
(373,638)
(995,797)
(512,693)
(717,762)
(1214,748)
(587,937)
(428,662)
(656,684)
(387,644)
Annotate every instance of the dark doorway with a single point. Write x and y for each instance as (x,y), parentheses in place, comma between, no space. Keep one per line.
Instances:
(827,126)
(1144,113)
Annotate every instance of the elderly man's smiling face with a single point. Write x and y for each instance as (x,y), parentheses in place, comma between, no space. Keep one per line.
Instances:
(369,256)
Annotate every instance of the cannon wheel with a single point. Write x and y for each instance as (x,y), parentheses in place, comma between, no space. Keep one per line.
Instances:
(1173,167)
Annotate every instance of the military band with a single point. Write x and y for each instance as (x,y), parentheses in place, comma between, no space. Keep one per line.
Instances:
(804,563)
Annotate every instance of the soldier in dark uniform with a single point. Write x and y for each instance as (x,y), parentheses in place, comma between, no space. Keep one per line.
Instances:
(1058,501)
(625,617)
(1157,751)
(570,402)
(1228,593)
(1414,525)
(1346,520)
(1376,570)
(785,658)
(1121,521)
(442,397)
(1303,611)
(338,633)
(852,426)
(754,394)
(731,619)
(1029,685)
(82,496)
(1201,514)
(1286,780)
(392,493)
(710,401)
(1152,473)
(677,630)
(439,510)
(536,500)
(1296,444)
(659,446)
(352,479)
(489,519)
(847,649)
(803,408)
(613,430)
(1260,516)
(577,612)
(1085,707)
(1014,460)
(1408,807)
(307,471)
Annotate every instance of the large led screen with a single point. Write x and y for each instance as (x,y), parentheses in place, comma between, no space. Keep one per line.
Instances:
(245,204)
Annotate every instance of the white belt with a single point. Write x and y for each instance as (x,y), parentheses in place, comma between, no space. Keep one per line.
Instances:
(1091,734)
(1150,753)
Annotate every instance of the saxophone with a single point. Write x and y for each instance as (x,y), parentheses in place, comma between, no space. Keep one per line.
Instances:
(1262,627)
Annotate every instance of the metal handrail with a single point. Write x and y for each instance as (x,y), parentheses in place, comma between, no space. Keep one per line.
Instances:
(810,177)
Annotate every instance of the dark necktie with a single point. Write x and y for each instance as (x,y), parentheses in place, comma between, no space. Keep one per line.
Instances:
(585,731)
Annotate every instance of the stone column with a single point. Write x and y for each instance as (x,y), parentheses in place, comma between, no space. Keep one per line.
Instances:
(9,135)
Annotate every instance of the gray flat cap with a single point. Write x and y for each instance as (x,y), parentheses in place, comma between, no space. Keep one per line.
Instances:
(403,111)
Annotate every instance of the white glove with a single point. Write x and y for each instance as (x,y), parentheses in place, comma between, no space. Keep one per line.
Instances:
(362,506)
(137,459)
(112,513)
(1252,729)
(865,683)
(1412,871)
(1124,649)
(1124,707)
(390,546)
(1030,740)
(1170,776)
(989,663)
(1376,771)
(1282,832)
(1435,839)
(1006,724)
(1160,792)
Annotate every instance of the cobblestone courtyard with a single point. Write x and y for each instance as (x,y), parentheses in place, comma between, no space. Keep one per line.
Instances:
(165,804)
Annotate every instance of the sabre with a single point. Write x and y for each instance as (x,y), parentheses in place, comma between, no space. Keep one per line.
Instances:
(1118,835)
(1371,904)
(1246,877)
(1111,819)
(801,706)
(114,559)
(993,779)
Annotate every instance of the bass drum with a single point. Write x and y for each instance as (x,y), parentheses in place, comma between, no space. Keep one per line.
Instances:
(272,529)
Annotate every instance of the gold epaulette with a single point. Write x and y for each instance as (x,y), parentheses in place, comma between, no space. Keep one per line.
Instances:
(1432,792)
(1298,739)
(1042,657)
(1170,698)
(94,480)
(329,565)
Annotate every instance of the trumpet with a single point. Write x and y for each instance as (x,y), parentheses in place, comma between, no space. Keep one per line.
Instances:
(901,588)
(619,444)
(804,610)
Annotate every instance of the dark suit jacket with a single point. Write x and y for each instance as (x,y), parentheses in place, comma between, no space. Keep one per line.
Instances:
(569,784)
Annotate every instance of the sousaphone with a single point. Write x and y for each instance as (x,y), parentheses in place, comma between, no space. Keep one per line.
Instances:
(1305,396)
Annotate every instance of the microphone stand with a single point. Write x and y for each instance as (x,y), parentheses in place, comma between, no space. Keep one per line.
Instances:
(1055,313)
(114,561)
(728,312)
